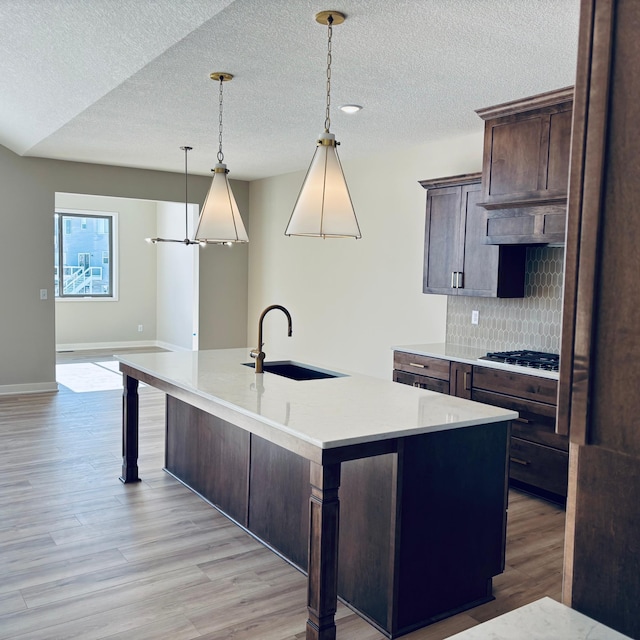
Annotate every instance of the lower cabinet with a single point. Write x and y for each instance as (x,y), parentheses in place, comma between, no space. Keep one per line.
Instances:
(422,530)
(539,458)
(433,374)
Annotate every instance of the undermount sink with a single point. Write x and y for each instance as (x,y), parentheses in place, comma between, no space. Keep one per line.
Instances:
(295,370)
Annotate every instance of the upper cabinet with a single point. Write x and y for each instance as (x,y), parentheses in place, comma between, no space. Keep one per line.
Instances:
(526,168)
(457,261)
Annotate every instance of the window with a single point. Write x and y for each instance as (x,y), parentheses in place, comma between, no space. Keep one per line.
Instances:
(84,255)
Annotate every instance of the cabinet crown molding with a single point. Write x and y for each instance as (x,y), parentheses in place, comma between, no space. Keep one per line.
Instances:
(448,181)
(540,101)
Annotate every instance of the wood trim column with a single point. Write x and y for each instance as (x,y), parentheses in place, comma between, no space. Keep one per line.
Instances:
(324,513)
(584,213)
(130,404)
(600,331)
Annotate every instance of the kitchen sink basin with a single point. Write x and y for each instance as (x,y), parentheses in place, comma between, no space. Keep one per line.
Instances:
(295,370)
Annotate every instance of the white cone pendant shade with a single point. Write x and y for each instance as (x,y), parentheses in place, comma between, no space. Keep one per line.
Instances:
(324,208)
(220,221)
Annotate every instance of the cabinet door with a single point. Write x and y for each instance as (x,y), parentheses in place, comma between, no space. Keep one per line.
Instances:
(457,259)
(526,151)
(479,260)
(460,383)
(442,240)
(559,149)
(515,157)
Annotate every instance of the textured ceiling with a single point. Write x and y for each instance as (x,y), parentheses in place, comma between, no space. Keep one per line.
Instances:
(126,82)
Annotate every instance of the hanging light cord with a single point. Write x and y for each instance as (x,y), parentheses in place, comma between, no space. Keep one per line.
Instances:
(220,154)
(327,119)
(186,194)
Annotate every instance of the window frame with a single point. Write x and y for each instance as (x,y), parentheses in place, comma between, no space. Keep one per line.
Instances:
(111,266)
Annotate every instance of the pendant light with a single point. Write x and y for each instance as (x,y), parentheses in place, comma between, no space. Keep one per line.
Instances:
(220,221)
(186,240)
(324,208)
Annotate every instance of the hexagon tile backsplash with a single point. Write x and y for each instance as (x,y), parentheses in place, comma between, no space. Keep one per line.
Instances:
(507,324)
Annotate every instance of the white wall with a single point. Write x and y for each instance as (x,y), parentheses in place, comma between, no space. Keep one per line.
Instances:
(352,300)
(224,276)
(177,279)
(27,354)
(98,323)
(27,201)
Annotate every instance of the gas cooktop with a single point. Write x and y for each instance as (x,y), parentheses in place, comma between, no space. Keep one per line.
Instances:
(532,359)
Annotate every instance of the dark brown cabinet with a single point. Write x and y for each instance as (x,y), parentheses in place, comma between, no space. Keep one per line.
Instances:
(526,168)
(433,374)
(539,456)
(457,260)
(460,381)
(420,371)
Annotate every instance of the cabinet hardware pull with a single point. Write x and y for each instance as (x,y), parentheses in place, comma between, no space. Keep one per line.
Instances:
(459,282)
(523,420)
(467,386)
(524,463)
(453,279)
(417,364)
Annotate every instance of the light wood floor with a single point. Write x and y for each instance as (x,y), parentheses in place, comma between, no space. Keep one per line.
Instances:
(84,556)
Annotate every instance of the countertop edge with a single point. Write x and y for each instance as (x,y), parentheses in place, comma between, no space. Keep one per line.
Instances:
(130,367)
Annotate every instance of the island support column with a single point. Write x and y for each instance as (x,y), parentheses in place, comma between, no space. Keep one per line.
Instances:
(129,429)
(324,513)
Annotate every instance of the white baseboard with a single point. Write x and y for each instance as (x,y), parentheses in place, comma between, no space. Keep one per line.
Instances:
(88,346)
(32,387)
(170,347)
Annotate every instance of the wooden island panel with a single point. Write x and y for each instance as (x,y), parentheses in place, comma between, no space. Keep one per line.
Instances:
(279,503)
(210,456)
(422,530)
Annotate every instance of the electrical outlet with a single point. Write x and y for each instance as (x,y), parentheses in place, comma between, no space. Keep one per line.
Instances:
(475,315)
(140,328)
(43,294)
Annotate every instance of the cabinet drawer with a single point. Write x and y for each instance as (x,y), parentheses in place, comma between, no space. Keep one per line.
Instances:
(516,384)
(539,466)
(422,382)
(536,422)
(421,365)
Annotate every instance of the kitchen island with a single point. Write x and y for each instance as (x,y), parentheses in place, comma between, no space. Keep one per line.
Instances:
(422,479)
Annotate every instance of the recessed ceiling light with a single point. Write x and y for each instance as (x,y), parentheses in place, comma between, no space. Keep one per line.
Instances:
(350,108)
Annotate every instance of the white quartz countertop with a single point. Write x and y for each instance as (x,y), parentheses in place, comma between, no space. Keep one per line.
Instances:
(544,619)
(470,355)
(326,413)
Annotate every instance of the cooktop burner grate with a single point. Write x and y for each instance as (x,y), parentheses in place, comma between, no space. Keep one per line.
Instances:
(524,358)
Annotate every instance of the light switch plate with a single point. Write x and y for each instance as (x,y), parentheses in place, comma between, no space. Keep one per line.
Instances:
(43,294)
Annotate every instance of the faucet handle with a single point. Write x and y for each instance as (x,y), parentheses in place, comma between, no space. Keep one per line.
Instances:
(254,353)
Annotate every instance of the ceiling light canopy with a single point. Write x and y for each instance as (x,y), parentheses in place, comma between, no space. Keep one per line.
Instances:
(220,221)
(186,240)
(324,208)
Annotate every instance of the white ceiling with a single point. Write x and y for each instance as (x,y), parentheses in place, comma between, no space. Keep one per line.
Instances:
(126,82)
